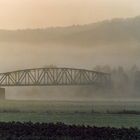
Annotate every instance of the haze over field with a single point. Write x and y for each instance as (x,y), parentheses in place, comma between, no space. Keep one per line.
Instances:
(112,42)
(68,33)
(83,40)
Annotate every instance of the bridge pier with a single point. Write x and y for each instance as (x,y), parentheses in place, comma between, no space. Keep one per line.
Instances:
(2,93)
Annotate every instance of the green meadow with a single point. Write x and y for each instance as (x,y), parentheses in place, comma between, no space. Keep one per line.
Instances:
(98,113)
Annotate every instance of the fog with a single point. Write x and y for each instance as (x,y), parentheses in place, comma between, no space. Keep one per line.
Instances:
(110,46)
(18,56)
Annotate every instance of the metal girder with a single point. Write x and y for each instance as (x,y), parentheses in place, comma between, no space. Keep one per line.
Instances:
(54,77)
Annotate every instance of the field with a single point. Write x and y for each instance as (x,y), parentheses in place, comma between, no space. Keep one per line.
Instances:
(72,112)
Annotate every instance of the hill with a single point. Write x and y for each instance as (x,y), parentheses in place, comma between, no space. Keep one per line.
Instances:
(105,32)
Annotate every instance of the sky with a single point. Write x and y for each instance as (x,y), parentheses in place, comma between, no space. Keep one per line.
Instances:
(19,14)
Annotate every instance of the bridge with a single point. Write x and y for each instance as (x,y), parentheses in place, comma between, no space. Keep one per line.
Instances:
(54,77)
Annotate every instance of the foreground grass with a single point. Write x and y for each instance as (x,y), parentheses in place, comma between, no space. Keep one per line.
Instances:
(75,118)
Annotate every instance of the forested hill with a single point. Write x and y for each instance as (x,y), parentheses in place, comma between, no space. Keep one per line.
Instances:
(105,32)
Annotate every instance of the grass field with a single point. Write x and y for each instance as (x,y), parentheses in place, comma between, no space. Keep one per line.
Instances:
(71,112)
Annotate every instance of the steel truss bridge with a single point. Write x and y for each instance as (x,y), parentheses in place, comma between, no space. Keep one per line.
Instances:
(54,77)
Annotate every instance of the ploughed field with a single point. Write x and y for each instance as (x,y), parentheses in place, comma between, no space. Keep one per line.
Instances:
(93,113)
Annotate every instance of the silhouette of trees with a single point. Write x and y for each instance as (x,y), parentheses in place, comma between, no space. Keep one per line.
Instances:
(123,80)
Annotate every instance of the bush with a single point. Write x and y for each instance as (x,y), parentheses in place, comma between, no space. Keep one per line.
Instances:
(60,131)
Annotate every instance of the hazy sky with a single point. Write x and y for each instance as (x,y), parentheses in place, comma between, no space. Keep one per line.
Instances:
(44,13)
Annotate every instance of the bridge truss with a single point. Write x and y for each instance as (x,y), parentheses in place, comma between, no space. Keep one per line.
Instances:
(54,77)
